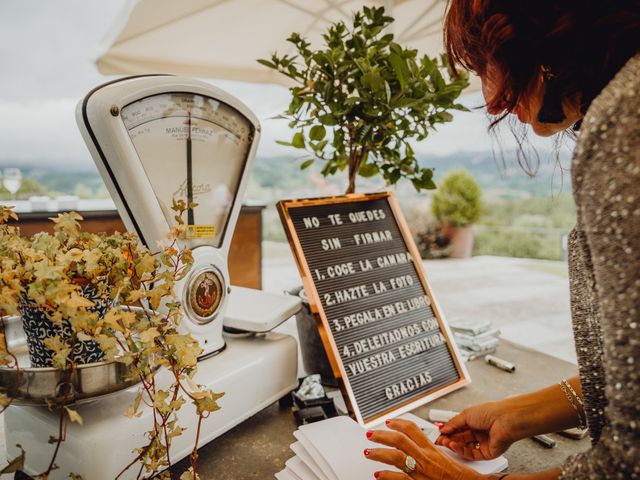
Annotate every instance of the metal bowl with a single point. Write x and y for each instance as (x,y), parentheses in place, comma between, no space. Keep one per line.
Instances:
(41,386)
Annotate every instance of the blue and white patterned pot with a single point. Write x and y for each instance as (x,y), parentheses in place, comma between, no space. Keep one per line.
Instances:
(38,327)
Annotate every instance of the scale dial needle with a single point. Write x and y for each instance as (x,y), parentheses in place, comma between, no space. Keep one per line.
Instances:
(190,220)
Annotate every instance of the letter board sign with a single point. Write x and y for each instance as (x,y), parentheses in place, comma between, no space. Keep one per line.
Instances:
(384,333)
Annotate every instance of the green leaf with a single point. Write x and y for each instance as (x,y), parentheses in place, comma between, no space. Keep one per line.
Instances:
(298,140)
(17,464)
(393,176)
(368,170)
(317,132)
(444,116)
(267,63)
(307,163)
(400,68)
(328,119)
(282,142)
(353,100)
(373,81)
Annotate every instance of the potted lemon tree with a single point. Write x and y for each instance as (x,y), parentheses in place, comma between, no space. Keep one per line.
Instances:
(360,100)
(457,205)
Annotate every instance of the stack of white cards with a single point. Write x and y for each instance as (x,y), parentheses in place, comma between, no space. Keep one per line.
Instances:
(475,338)
(333,449)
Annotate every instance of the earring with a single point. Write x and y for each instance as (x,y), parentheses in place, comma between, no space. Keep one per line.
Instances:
(551,109)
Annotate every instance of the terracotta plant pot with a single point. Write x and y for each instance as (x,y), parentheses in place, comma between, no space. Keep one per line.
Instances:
(461,240)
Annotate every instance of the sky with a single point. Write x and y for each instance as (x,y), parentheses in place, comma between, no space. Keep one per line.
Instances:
(48,50)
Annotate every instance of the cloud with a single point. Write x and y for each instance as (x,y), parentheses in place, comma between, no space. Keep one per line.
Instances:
(41,132)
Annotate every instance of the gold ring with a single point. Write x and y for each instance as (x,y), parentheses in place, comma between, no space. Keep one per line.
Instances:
(409,464)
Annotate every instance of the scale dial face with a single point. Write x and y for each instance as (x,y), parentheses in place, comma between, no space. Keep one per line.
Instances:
(192,148)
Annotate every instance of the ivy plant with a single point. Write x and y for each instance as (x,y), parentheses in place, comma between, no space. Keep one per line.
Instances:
(358,101)
(47,270)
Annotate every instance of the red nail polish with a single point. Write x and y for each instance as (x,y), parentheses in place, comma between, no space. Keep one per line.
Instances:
(369,433)
(387,422)
(366,452)
(376,474)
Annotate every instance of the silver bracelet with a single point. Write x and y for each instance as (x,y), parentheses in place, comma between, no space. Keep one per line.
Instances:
(575,401)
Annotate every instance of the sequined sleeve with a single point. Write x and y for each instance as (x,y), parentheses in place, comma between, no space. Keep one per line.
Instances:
(606,182)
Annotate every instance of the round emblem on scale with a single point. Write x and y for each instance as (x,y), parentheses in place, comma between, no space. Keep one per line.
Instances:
(204,294)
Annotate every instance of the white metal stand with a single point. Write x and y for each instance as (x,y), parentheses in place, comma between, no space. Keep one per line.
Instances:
(253,371)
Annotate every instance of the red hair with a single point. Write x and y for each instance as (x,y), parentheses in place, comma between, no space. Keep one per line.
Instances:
(581,44)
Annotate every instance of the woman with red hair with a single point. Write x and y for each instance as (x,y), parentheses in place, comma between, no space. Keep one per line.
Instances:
(560,65)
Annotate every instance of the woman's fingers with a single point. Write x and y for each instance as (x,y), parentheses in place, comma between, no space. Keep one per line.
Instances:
(397,440)
(466,436)
(411,430)
(459,422)
(457,448)
(390,456)
(468,450)
(388,475)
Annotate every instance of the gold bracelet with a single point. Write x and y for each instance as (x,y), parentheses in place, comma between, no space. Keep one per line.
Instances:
(573,392)
(575,401)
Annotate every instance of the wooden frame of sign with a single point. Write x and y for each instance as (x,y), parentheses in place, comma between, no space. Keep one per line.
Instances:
(384,333)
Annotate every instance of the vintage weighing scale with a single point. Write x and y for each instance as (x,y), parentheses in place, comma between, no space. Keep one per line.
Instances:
(155,138)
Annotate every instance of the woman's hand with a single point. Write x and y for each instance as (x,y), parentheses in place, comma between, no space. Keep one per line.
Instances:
(406,439)
(481,432)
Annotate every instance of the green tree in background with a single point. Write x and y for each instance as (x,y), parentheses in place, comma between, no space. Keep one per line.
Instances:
(359,100)
(458,200)
(28,188)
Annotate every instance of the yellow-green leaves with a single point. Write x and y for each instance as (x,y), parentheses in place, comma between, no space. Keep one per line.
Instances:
(206,401)
(184,349)
(60,349)
(189,475)
(149,335)
(74,416)
(6,212)
(66,276)
(146,264)
(67,223)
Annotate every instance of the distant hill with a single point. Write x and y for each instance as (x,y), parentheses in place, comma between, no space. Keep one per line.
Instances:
(499,175)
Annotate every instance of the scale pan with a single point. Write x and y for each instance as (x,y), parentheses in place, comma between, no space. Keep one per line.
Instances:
(40,385)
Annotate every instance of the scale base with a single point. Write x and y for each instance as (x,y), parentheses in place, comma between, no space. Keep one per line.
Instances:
(254,371)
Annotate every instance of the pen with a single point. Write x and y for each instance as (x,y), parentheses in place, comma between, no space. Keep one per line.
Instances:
(544,440)
(499,363)
(442,416)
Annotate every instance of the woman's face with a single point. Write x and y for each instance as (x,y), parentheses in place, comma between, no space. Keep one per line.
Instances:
(528,107)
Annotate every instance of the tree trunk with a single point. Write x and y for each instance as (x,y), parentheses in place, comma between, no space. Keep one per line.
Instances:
(352,181)
(355,159)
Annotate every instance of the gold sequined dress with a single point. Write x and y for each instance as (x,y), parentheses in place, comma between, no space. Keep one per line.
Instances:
(604,270)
